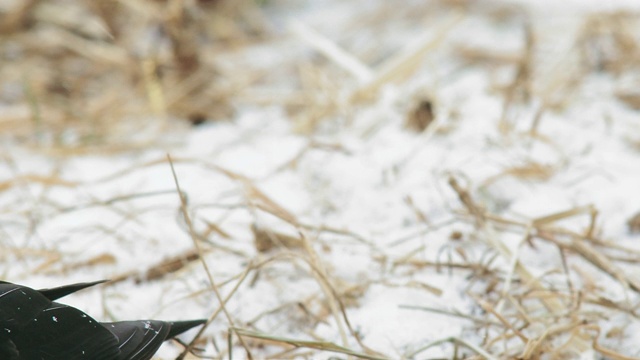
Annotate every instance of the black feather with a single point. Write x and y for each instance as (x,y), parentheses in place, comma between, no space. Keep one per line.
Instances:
(139,340)
(61,291)
(33,327)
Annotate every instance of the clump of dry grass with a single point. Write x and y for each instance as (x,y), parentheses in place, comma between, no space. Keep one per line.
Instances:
(85,74)
(546,320)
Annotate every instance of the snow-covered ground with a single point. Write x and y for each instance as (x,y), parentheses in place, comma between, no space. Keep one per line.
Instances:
(360,209)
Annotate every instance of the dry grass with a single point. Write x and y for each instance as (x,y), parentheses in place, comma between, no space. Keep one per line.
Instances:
(83,77)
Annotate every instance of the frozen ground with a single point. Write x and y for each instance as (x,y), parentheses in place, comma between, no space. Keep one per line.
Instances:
(345,221)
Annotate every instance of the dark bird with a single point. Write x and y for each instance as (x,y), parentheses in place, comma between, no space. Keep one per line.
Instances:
(35,327)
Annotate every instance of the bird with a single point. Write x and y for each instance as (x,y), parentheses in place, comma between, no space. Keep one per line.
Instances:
(33,326)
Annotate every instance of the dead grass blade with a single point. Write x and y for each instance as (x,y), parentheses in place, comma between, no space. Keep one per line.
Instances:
(318,345)
(200,252)
(404,64)
(456,341)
